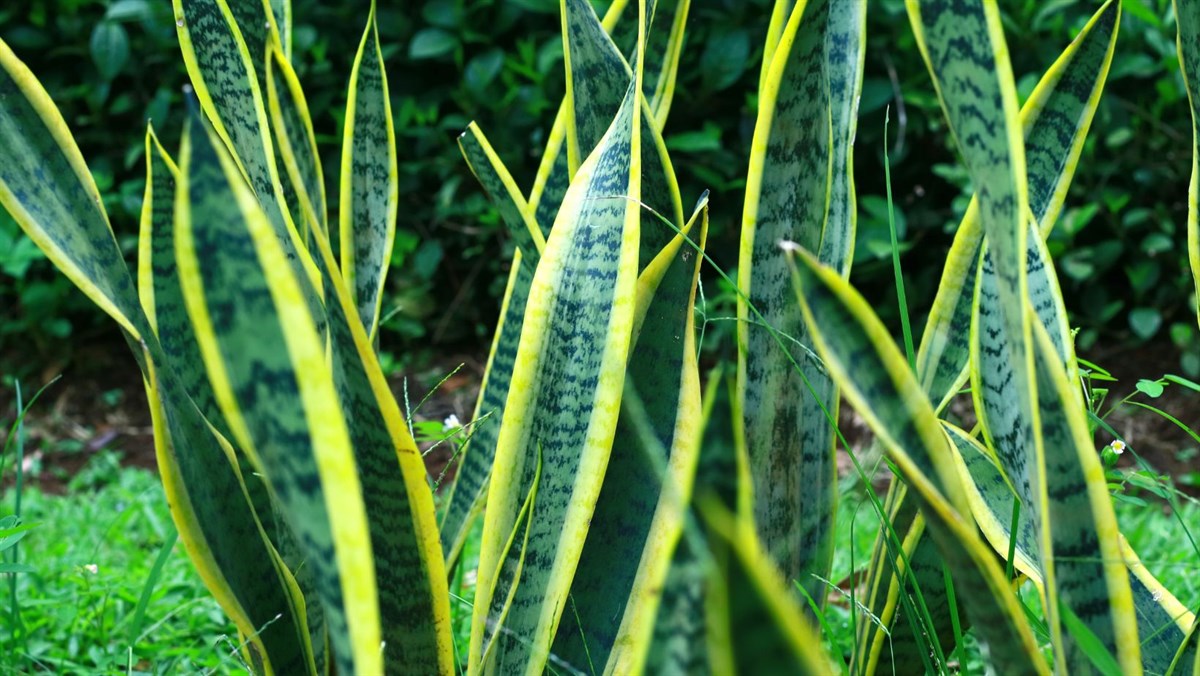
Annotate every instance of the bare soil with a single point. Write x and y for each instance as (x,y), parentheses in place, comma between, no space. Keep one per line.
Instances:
(99,402)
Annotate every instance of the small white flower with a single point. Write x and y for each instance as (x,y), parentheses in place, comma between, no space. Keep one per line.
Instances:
(1117,446)
(451,423)
(92,568)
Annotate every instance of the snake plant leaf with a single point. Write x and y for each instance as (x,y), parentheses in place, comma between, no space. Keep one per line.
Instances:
(639,514)
(291,426)
(845,51)
(502,189)
(664,46)
(222,73)
(786,431)
(1090,575)
(876,379)
(1186,650)
(223,537)
(1055,120)
(233,548)
(478,453)
(281,14)
(1161,619)
(569,370)
(158,284)
(755,623)
(597,71)
(1188,41)
(781,11)
(295,140)
(46,186)
(469,491)
(411,577)
(661,61)
(162,299)
(223,76)
(369,185)
(596,67)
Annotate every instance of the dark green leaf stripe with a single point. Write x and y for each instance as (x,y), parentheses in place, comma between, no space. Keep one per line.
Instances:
(786,433)
(876,379)
(597,79)
(292,427)
(281,15)
(596,68)
(679,643)
(553,176)
(639,512)
(223,538)
(757,623)
(162,297)
(1161,619)
(46,186)
(158,284)
(992,497)
(569,371)
(502,189)
(845,50)
(222,72)
(1055,119)
(413,596)
(254,21)
(233,547)
(369,188)
(478,454)
(1188,40)
(1089,573)
(296,141)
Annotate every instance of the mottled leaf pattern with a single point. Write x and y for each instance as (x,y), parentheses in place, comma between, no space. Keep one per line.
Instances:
(568,374)
(639,512)
(292,124)
(876,379)
(240,299)
(46,186)
(756,626)
(369,188)
(791,194)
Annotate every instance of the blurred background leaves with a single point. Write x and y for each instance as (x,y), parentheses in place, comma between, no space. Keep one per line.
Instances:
(113,64)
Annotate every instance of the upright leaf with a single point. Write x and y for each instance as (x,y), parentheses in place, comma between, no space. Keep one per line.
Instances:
(296,141)
(1055,120)
(46,186)
(568,374)
(281,404)
(792,193)
(639,513)
(369,188)
(876,379)
(1187,13)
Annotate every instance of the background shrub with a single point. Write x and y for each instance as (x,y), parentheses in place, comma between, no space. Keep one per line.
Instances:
(112,64)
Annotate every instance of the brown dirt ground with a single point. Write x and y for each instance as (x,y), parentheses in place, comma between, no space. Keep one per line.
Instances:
(99,403)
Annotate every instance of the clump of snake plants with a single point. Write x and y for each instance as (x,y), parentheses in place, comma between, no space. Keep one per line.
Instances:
(614,537)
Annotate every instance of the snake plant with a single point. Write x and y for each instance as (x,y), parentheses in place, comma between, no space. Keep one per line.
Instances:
(618,535)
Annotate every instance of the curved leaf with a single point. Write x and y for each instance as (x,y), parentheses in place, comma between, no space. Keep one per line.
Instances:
(240,300)
(876,379)
(296,141)
(568,374)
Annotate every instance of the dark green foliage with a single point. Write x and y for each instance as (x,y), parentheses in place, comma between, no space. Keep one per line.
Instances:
(110,64)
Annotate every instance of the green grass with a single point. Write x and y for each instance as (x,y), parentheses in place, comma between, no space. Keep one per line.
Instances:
(92,553)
